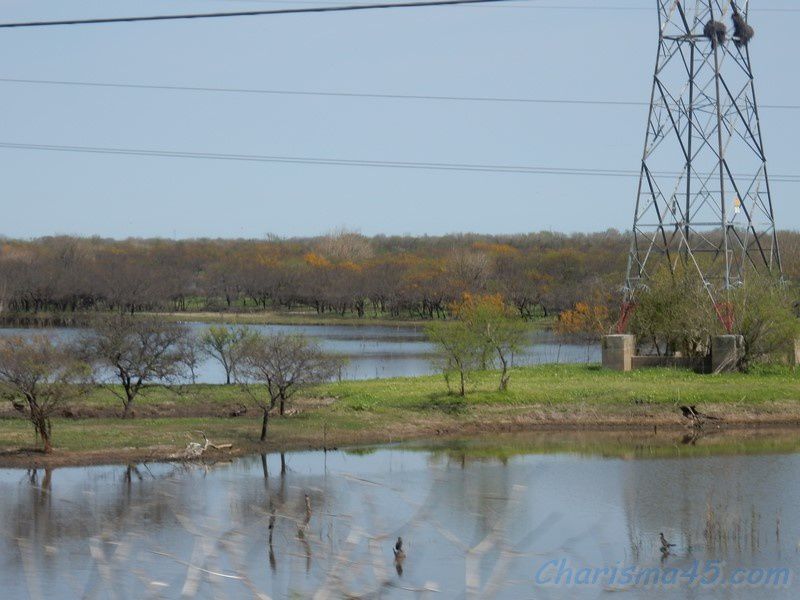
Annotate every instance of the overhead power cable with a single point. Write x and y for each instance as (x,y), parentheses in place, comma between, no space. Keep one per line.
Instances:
(366,95)
(308,160)
(329,9)
(528,4)
(249,13)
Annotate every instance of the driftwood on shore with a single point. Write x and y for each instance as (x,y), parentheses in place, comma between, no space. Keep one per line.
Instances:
(195,450)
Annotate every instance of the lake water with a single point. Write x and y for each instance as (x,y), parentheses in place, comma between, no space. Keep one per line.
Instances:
(375,351)
(486,518)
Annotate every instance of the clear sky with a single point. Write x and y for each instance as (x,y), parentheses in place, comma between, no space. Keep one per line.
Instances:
(512,51)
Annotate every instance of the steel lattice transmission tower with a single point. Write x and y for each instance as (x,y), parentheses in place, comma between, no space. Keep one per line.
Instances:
(704,199)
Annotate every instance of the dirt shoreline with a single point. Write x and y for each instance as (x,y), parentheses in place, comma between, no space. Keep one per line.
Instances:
(661,424)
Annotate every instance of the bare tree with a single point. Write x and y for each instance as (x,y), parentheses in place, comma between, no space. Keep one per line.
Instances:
(284,364)
(226,345)
(38,377)
(189,350)
(344,245)
(137,351)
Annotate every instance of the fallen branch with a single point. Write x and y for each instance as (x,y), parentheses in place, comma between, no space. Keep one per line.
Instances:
(195,450)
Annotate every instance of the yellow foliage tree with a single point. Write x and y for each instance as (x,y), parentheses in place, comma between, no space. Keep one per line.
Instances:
(590,320)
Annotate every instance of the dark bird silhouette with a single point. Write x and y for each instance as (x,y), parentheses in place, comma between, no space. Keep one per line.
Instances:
(703,415)
(399,556)
(665,545)
(694,415)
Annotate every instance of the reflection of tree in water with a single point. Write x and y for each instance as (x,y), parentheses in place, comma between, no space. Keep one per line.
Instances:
(38,510)
(56,534)
(256,530)
(308,524)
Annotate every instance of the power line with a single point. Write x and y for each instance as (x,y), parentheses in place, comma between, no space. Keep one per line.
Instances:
(375,95)
(581,7)
(308,160)
(332,8)
(248,13)
(625,8)
(366,95)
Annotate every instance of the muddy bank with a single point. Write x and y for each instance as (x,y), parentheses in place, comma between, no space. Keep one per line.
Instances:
(663,431)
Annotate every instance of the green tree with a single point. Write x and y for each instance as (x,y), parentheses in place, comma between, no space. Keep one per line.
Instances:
(764,317)
(459,350)
(495,327)
(675,314)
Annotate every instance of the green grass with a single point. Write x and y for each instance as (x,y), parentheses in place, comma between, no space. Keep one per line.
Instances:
(378,411)
(549,385)
(564,384)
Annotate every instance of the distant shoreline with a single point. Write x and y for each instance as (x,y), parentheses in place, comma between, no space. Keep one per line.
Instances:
(84,319)
(308,318)
(551,398)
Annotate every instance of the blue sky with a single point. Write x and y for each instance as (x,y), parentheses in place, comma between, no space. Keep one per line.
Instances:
(462,51)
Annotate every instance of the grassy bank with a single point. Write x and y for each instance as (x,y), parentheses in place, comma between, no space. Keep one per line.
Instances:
(554,397)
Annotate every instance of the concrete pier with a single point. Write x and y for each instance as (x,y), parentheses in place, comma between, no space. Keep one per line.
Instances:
(618,352)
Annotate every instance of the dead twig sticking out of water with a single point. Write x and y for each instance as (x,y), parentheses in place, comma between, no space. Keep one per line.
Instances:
(724,528)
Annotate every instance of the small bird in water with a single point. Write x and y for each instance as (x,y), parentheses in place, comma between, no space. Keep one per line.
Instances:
(665,545)
(399,556)
(398,549)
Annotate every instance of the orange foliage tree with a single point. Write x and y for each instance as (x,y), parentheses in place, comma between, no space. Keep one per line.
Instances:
(591,320)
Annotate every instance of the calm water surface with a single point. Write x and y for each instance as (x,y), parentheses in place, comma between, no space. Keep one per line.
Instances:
(480,519)
(374,351)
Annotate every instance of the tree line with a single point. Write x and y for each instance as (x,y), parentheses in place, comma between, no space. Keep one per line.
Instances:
(343,273)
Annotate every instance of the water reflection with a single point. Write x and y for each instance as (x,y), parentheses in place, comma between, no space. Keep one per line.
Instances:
(477,518)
